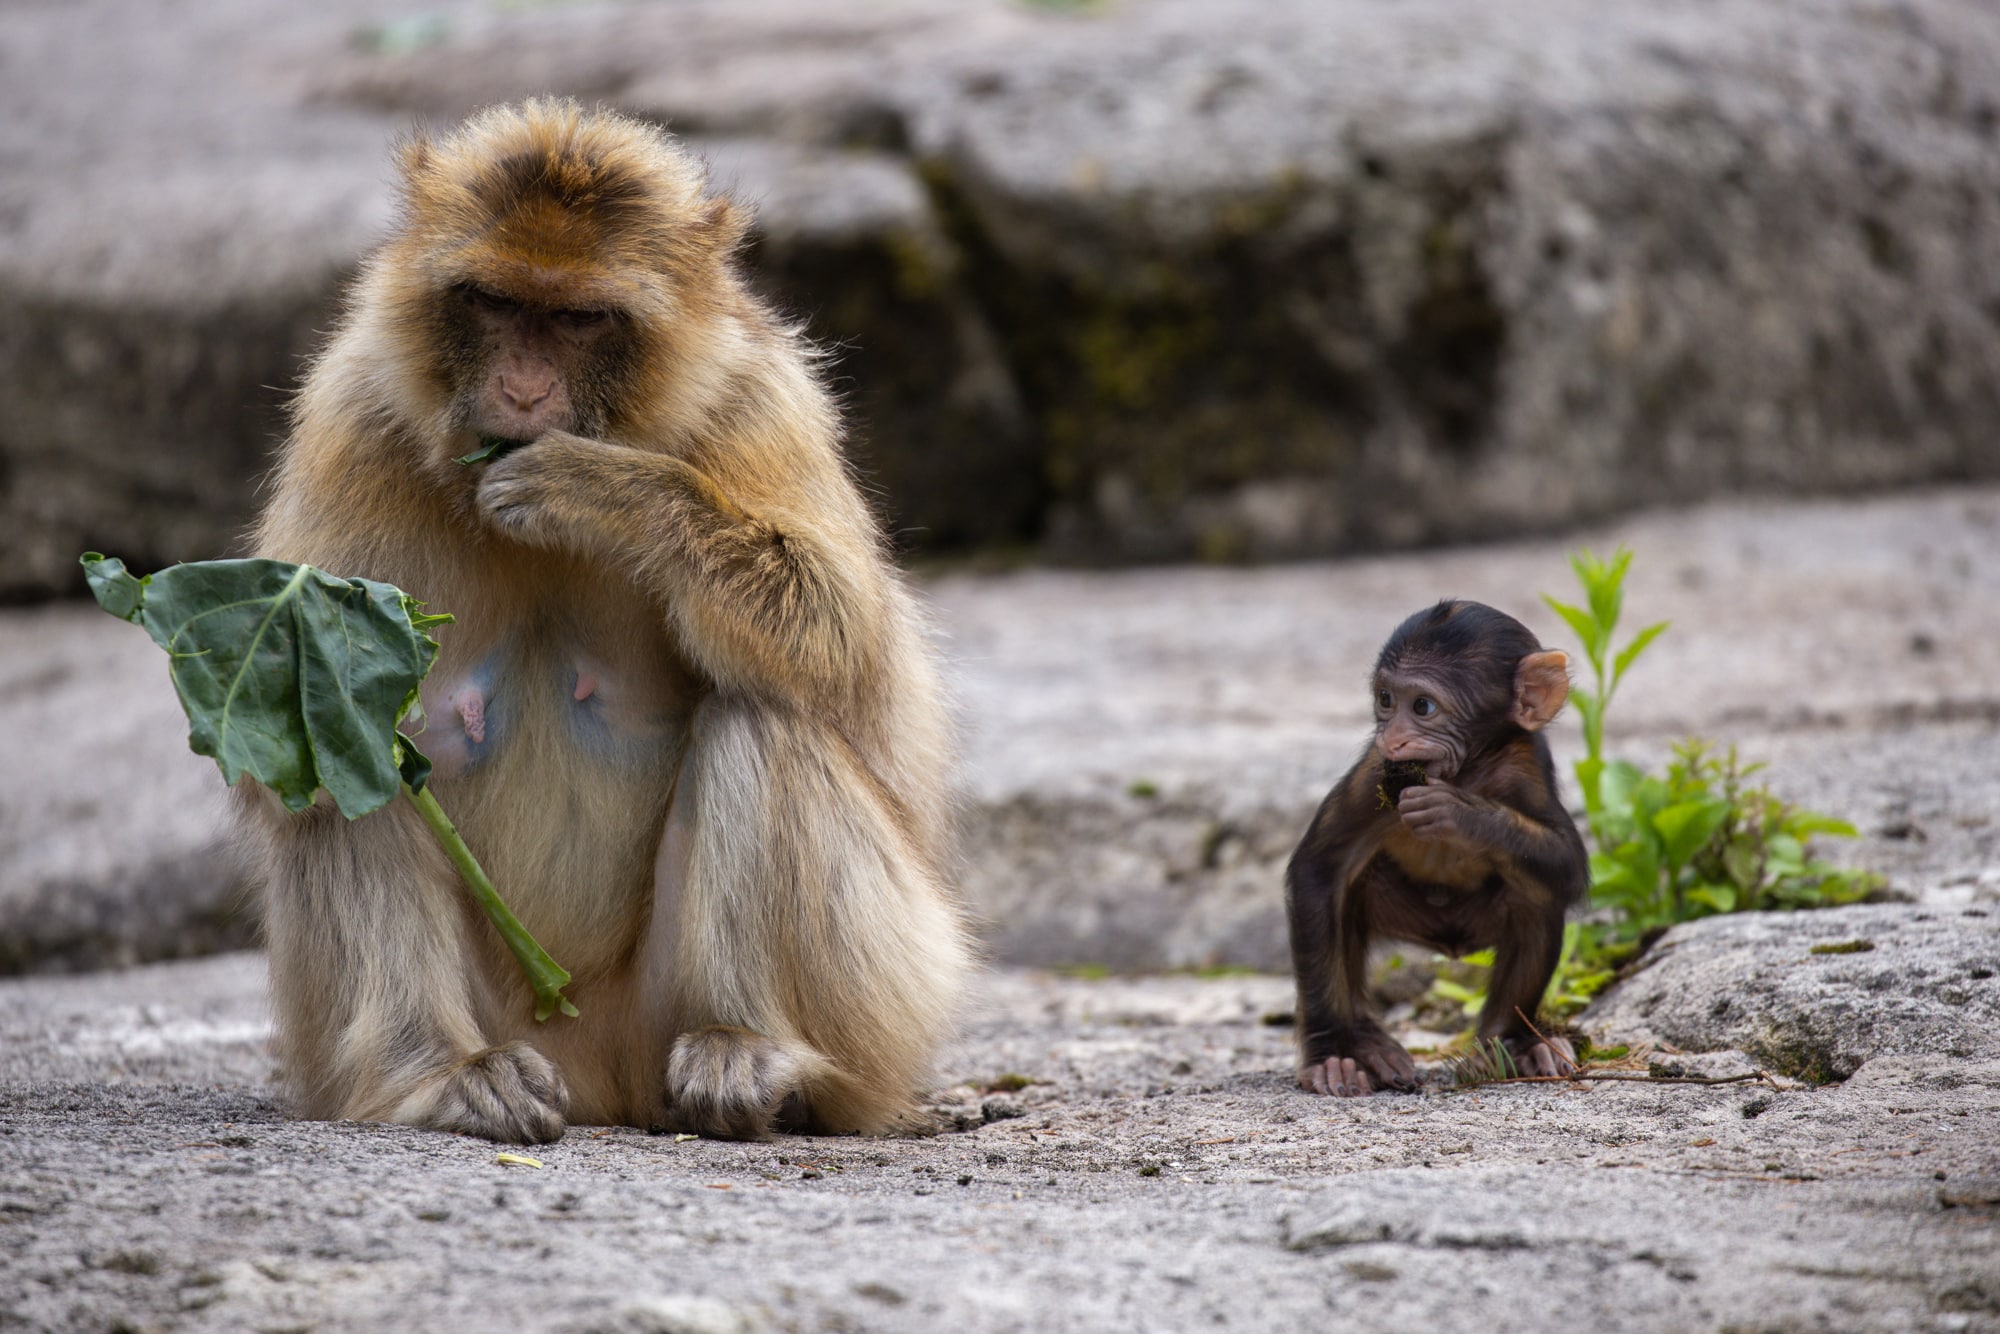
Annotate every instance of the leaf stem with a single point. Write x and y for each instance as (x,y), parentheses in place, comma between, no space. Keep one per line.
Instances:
(546,975)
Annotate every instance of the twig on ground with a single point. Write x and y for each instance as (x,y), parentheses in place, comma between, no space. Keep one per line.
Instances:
(1468,1070)
(1574,1067)
(1633,1077)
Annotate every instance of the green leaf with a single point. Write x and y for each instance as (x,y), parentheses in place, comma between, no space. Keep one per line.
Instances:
(1785,856)
(1587,630)
(1686,825)
(1719,898)
(1589,569)
(1589,772)
(488,447)
(412,764)
(298,679)
(1744,863)
(1622,878)
(1804,824)
(115,588)
(287,673)
(1590,709)
(1630,653)
(1607,591)
(1622,779)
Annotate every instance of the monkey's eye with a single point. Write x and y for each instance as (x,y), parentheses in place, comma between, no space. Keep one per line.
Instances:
(1424,706)
(1384,700)
(485,300)
(582,319)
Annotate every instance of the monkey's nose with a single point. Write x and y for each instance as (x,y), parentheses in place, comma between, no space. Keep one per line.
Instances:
(524,396)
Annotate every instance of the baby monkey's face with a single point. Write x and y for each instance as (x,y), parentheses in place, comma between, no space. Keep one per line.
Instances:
(1419,728)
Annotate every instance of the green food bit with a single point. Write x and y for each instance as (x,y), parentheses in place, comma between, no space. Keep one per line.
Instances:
(1845,947)
(300,678)
(489,445)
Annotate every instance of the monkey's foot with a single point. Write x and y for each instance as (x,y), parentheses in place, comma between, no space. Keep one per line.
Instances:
(730,1083)
(1384,1066)
(1553,1057)
(1336,1076)
(510,1093)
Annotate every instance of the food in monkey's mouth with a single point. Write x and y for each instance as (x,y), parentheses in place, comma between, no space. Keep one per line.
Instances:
(1400,774)
(490,446)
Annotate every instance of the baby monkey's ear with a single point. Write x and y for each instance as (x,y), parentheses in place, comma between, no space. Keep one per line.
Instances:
(1541,684)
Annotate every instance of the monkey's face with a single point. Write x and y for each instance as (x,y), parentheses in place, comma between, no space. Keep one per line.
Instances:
(518,370)
(1420,720)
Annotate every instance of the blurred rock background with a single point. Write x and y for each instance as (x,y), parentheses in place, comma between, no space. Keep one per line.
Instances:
(1158,279)
(1146,282)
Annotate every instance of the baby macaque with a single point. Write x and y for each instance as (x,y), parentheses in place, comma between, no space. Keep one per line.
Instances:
(1446,832)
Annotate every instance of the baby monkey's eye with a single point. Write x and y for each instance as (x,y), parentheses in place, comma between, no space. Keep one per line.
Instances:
(1424,707)
(1384,700)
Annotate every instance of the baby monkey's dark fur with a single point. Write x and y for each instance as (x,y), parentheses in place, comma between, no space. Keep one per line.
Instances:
(1477,852)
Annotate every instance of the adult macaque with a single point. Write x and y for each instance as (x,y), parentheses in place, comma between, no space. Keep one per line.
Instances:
(1447,832)
(686,715)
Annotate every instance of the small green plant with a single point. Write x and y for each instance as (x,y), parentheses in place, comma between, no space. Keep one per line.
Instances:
(1593,623)
(1699,839)
(1695,839)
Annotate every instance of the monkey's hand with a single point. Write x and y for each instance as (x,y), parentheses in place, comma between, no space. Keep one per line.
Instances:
(550,492)
(1446,813)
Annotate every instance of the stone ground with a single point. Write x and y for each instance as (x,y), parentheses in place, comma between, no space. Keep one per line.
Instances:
(1160,1173)
(1128,1152)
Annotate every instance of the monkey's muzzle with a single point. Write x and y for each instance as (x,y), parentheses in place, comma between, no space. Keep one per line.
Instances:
(1398,775)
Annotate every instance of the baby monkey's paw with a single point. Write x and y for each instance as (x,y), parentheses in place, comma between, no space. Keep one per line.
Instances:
(1536,1057)
(1439,811)
(510,1093)
(1375,1065)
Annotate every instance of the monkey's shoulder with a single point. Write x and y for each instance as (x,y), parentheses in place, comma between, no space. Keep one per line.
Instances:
(1520,776)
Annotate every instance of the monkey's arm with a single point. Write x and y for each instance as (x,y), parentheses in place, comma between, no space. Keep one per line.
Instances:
(1327,899)
(1526,837)
(767,599)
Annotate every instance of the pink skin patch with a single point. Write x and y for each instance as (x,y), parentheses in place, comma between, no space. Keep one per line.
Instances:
(472,710)
(586,685)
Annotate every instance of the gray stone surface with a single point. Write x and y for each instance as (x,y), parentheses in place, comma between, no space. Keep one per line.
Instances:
(1158,1173)
(1849,643)
(1129,1153)
(1166,278)
(110,827)
(1147,747)
(1818,994)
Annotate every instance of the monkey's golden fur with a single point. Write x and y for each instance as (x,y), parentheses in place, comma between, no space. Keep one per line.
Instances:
(735,842)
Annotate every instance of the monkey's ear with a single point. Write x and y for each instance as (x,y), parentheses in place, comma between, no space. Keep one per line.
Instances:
(721,224)
(1541,684)
(413,158)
